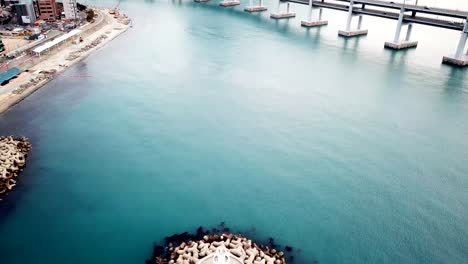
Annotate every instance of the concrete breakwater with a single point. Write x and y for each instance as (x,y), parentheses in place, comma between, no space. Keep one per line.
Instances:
(13,153)
(206,247)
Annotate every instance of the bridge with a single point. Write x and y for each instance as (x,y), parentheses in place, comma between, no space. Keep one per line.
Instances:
(409,7)
(390,14)
(405,14)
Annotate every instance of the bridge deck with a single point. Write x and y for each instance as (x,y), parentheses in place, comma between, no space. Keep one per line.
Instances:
(394,15)
(417,8)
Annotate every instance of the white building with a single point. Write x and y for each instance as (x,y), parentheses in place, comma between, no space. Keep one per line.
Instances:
(70,9)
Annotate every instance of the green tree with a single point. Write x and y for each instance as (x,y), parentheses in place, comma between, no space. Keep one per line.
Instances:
(89,15)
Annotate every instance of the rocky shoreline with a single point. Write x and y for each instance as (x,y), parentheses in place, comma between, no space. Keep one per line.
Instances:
(43,76)
(13,153)
(196,248)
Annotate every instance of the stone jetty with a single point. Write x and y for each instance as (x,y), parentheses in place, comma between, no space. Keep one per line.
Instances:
(218,246)
(13,153)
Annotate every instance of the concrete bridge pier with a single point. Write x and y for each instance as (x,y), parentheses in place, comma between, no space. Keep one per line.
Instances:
(460,58)
(314,23)
(348,32)
(279,14)
(226,3)
(398,44)
(255,8)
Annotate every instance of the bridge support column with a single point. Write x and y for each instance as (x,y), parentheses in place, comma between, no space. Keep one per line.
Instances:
(255,8)
(226,3)
(348,32)
(408,32)
(279,15)
(314,22)
(460,58)
(398,44)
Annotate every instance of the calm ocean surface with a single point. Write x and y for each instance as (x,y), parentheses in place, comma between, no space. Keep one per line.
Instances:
(198,114)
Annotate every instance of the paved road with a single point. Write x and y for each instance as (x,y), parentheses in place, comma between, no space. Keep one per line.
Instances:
(27,60)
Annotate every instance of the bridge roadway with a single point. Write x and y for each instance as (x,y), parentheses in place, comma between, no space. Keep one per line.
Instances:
(363,9)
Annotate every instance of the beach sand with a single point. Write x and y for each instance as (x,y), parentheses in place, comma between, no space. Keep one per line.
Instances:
(58,62)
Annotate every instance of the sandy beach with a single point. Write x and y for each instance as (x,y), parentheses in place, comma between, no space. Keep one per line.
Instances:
(95,36)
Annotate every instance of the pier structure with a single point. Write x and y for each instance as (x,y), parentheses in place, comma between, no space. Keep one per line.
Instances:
(310,22)
(397,43)
(408,15)
(460,58)
(226,3)
(279,14)
(384,9)
(348,32)
(255,8)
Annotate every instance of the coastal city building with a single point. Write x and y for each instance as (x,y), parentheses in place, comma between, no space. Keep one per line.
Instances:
(35,5)
(70,9)
(47,9)
(30,7)
(9,2)
(25,13)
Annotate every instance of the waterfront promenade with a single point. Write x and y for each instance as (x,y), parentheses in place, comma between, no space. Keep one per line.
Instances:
(38,70)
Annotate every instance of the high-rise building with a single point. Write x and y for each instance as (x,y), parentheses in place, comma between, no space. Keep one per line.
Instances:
(36,8)
(30,16)
(24,14)
(70,9)
(11,2)
(47,9)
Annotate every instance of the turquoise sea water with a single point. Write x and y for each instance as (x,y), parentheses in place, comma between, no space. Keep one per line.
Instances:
(198,114)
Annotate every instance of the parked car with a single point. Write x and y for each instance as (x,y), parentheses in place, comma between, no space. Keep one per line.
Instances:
(70,25)
(35,37)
